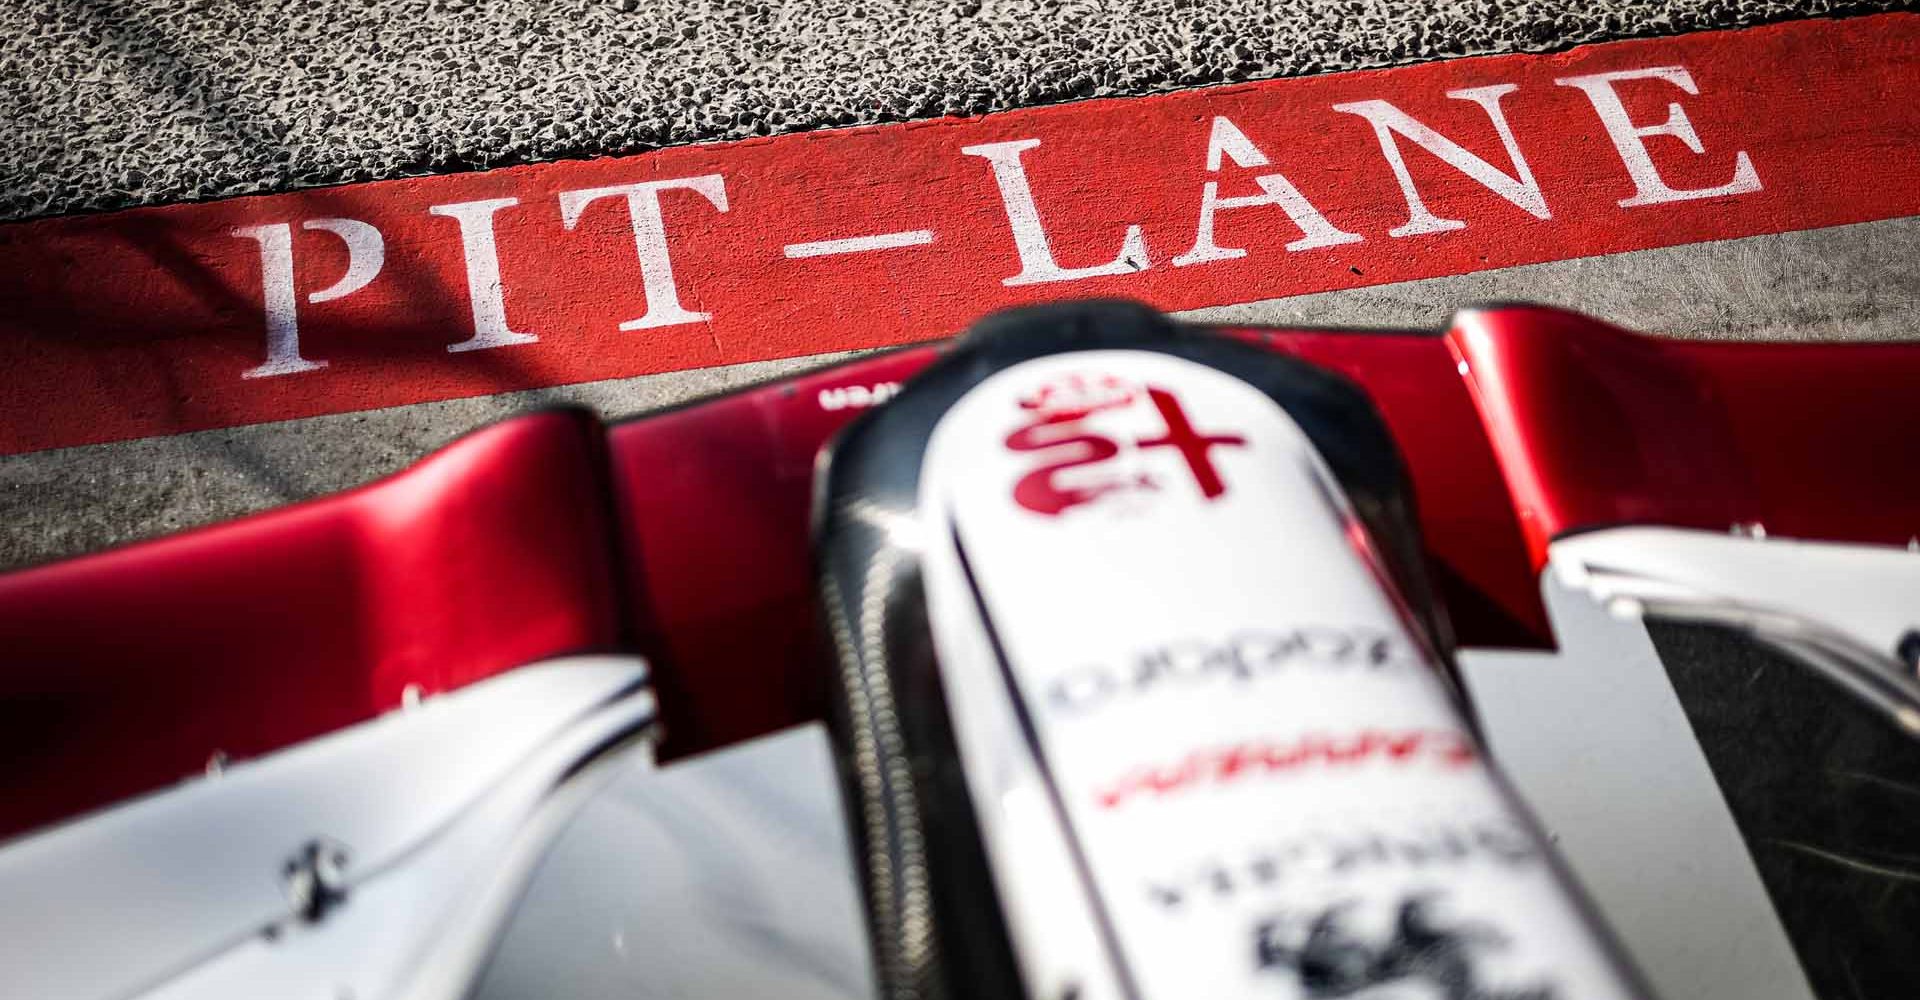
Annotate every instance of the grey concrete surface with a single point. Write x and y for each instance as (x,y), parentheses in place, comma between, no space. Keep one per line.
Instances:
(1848,282)
(112,103)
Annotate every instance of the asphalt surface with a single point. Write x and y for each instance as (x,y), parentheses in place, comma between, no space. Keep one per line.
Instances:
(112,103)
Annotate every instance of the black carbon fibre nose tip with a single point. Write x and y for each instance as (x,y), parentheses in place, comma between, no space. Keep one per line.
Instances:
(1087,323)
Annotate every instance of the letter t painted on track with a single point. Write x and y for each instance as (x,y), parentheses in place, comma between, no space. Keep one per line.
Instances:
(650,240)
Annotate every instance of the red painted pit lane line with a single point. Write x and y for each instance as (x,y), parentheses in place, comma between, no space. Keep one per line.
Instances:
(164,320)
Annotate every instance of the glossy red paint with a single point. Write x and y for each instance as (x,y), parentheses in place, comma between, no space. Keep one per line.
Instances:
(715,501)
(1475,549)
(726,611)
(1595,426)
(684,536)
(126,670)
(1826,437)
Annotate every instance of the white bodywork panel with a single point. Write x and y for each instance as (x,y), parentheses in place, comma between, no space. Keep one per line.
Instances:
(1196,722)
(723,876)
(1870,592)
(1841,609)
(1597,740)
(729,875)
(1597,743)
(184,892)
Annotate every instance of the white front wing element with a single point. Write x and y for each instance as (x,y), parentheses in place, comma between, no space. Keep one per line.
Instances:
(433,812)
(1210,755)
(1596,739)
(1842,609)
(726,876)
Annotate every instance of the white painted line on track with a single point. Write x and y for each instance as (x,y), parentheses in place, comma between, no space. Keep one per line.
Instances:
(860,244)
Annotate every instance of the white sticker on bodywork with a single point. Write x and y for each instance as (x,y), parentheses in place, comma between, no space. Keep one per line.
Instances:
(1220,720)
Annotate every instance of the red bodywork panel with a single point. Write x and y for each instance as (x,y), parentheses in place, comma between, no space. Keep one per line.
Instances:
(684,536)
(716,501)
(1596,426)
(126,670)
(1474,545)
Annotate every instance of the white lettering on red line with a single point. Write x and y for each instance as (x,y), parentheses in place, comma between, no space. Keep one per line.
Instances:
(1225,142)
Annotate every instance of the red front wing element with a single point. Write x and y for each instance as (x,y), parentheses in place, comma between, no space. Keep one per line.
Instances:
(127,670)
(684,536)
(1595,426)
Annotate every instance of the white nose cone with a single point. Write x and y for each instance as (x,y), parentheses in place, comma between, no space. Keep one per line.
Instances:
(1210,732)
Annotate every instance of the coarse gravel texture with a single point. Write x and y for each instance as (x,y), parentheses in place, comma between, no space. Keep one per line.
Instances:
(113,103)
